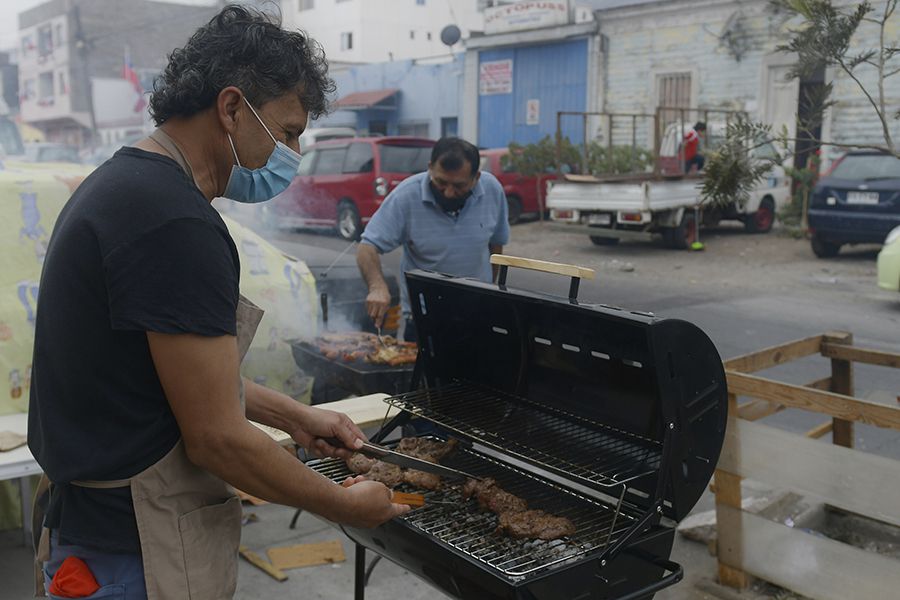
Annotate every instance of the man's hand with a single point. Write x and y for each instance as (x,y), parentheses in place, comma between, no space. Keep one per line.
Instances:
(369,503)
(377,303)
(316,424)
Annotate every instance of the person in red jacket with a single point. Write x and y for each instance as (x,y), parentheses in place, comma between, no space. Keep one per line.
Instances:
(691,145)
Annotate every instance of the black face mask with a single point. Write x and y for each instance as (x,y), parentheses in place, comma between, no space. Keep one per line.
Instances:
(451,206)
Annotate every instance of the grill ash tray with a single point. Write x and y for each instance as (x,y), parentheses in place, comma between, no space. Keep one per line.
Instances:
(461,525)
(569,445)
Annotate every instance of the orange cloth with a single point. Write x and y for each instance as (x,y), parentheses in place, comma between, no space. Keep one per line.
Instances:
(73,579)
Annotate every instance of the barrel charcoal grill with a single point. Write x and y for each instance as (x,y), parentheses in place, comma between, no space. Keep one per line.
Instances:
(609,417)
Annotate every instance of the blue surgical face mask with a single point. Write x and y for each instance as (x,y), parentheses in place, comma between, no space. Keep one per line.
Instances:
(258,185)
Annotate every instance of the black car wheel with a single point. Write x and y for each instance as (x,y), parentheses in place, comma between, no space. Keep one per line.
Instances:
(761,221)
(349,225)
(684,235)
(824,249)
(515,209)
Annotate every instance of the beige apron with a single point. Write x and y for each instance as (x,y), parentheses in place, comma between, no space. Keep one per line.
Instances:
(188,520)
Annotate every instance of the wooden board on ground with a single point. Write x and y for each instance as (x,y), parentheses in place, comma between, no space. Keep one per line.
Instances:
(245,497)
(260,563)
(307,555)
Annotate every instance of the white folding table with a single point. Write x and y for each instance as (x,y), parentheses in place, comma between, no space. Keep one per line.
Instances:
(19,464)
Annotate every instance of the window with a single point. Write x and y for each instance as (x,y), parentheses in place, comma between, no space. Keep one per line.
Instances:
(45,40)
(330,161)
(415,129)
(428,36)
(347,40)
(360,159)
(377,127)
(673,91)
(45,88)
(485,164)
(404,159)
(30,92)
(420,2)
(306,4)
(59,35)
(63,89)
(449,126)
(412,34)
(869,167)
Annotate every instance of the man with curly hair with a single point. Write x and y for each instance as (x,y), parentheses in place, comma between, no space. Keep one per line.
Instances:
(138,414)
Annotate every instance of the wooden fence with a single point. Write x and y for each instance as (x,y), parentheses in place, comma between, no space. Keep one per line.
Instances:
(848,479)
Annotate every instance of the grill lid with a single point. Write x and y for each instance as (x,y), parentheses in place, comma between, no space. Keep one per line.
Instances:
(605,397)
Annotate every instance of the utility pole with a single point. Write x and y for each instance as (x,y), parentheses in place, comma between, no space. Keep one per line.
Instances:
(82,45)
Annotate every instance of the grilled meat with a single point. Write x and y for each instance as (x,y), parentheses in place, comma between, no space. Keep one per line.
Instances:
(430,450)
(359,463)
(422,480)
(388,474)
(514,517)
(358,346)
(535,524)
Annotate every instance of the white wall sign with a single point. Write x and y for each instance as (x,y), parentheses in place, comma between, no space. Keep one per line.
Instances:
(525,14)
(495,77)
(533,112)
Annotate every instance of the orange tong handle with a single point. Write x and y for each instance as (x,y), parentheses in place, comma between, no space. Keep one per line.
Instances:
(414,500)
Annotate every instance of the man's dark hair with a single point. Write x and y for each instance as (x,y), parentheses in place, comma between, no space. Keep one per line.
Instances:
(451,152)
(248,49)
(699,126)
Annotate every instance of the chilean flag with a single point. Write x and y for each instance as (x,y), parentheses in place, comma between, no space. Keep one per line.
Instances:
(130,75)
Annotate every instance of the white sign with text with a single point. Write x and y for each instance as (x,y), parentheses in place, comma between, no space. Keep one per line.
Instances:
(495,77)
(525,14)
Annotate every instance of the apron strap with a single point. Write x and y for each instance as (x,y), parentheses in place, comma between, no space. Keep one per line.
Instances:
(103,485)
(166,142)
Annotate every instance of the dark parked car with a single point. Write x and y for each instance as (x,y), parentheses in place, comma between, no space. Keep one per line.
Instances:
(524,194)
(342,182)
(857,202)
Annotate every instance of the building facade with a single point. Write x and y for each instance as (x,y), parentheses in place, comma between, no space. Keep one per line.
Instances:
(373,31)
(70,49)
(399,98)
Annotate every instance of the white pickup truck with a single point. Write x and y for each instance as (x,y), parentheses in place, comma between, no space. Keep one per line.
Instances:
(641,205)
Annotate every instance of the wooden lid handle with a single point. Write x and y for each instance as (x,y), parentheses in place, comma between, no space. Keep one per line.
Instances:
(505,260)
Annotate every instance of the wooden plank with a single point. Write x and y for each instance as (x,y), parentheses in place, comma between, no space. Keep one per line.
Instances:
(542,265)
(855,481)
(810,565)
(820,430)
(775,355)
(828,403)
(307,555)
(841,383)
(728,494)
(823,384)
(758,409)
(862,355)
(260,563)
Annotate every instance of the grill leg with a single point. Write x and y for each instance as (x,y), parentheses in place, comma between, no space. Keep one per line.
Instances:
(372,567)
(296,516)
(359,579)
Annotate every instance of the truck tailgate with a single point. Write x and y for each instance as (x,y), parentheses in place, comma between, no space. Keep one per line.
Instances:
(623,196)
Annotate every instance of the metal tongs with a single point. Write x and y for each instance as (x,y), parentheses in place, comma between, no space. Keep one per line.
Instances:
(380,339)
(404,460)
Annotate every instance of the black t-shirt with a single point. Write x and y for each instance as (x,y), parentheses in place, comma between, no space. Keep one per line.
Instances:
(137,248)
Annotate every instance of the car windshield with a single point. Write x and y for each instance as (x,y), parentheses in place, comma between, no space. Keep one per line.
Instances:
(404,159)
(868,167)
(10,143)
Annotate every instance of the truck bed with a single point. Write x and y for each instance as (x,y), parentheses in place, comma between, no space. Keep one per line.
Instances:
(624,196)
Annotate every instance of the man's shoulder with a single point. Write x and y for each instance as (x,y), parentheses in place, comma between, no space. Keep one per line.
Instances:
(490,185)
(411,186)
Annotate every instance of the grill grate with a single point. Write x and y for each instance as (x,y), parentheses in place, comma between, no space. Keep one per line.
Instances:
(461,525)
(561,442)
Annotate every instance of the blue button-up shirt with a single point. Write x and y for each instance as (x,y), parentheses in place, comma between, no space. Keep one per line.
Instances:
(435,241)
